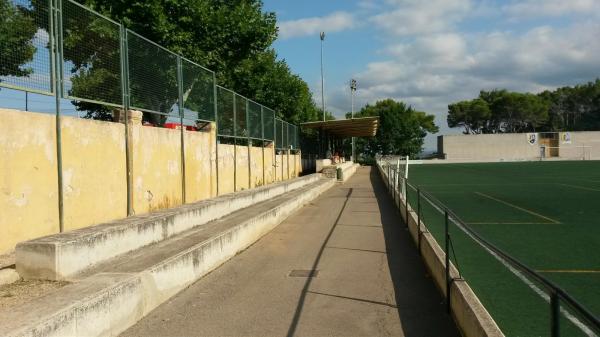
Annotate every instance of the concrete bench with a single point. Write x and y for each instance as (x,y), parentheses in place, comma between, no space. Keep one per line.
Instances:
(64,255)
(347,170)
(112,296)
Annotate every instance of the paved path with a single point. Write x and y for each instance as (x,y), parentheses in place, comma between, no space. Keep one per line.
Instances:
(370,281)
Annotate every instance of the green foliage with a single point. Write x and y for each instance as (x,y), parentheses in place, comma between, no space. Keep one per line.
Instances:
(499,111)
(17,29)
(568,108)
(401,129)
(574,108)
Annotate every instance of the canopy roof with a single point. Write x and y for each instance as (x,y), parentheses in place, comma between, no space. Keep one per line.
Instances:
(356,127)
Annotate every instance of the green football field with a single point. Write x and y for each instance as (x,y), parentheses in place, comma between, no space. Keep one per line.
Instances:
(545,214)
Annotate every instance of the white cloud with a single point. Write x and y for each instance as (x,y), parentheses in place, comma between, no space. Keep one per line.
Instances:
(430,61)
(409,17)
(538,8)
(334,22)
(433,70)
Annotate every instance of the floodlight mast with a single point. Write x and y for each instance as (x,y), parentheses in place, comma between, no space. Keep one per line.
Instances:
(353,85)
(322,35)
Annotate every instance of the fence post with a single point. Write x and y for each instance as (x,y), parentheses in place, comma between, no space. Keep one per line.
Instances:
(555,314)
(182,135)
(287,148)
(56,22)
(447,250)
(234,143)
(406,199)
(419,219)
(262,136)
(126,106)
(249,144)
(216,130)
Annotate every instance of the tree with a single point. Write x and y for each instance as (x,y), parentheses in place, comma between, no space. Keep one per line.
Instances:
(17,29)
(574,108)
(473,115)
(401,129)
(499,111)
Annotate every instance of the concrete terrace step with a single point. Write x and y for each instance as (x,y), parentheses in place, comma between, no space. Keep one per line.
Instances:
(64,255)
(107,299)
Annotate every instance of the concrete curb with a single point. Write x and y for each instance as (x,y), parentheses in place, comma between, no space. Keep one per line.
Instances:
(470,315)
(63,255)
(106,304)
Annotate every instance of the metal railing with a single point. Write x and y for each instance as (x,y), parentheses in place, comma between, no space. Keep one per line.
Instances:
(561,303)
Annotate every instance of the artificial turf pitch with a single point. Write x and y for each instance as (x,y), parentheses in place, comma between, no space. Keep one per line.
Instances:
(545,214)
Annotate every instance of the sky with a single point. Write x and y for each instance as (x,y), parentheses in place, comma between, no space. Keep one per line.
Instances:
(432,53)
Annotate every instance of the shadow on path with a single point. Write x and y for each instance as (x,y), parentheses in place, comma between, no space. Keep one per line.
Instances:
(298,312)
(419,303)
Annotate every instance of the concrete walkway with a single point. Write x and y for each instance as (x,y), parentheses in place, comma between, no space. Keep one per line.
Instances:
(370,280)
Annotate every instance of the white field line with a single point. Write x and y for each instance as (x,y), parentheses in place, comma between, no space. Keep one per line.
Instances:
(523,278)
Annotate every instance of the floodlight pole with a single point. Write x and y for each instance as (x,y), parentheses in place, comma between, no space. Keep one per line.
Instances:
(352,91)
(322,79)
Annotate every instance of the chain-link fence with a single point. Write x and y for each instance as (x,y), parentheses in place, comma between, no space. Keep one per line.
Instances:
(100,66)
(63,49)
(26,60)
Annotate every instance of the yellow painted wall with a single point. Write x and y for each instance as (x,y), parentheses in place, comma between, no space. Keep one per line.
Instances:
(28,177)
(284,160)
(293,167)
(200,164)
(269,165)
(242,170)
(226,164)
(298,164)
(256,155)
(94,172)
(156,168)
(278,167)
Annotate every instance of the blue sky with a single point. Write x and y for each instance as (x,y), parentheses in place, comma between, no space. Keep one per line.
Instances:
(432,53)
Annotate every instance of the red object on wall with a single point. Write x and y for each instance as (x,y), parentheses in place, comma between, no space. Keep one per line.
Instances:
(177,126)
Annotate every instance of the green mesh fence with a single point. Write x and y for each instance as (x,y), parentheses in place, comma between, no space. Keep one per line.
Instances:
(98,60)
(285,135)
(25,59)
(255,123)
(293,133)
(91,56)
(269,122)
(241,128)
(225,123)
(198,92)
(152,76)
(278,133)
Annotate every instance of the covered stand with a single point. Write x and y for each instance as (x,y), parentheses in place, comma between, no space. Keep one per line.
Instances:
(333,131)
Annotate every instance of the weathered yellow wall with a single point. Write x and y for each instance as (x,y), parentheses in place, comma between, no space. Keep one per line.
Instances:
(269,166)
(298,164)
(284,160)
(242,170)
(95,176)
(226,165)
(200,164)
(94,172)
(292,166)
(28,177)
(156,168)
(278,167)
(256,156)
